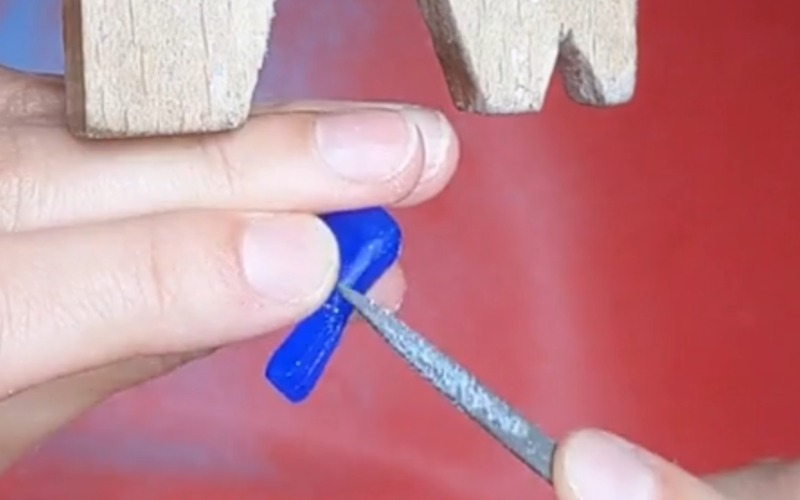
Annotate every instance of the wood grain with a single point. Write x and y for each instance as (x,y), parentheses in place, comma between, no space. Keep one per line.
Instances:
(498,56)
(162,67)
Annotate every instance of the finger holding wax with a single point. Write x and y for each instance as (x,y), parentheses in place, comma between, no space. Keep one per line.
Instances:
(154,285)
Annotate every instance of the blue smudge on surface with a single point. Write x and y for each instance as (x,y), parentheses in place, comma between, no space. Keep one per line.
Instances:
(369,243)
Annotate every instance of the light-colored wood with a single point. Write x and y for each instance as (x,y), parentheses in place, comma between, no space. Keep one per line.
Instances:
(162,67)
(498,55)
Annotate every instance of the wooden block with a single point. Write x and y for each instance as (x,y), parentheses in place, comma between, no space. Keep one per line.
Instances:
(139,68)
(498,55)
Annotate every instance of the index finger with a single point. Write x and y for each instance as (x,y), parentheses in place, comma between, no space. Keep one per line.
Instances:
(274,163)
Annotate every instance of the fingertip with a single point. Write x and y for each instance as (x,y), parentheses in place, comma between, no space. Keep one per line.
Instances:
(361,142)
(441,150)
(561,480)
(290,260)
(440,146)
(595,465)
(390,289)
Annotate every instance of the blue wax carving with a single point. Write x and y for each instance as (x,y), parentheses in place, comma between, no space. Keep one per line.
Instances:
(369,243)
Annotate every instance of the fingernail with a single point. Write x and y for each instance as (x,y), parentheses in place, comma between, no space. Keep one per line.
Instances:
(289,258)
(599,466)
(436,138)
(369,146)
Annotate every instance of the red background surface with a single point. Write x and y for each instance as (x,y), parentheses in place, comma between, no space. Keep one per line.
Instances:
(636,268)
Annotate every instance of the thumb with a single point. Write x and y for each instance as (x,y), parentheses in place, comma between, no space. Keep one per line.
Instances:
(594,465)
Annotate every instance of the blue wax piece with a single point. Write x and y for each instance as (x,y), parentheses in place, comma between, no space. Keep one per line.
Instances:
(369,243)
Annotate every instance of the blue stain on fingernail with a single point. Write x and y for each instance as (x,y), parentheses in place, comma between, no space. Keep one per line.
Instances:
(369,243)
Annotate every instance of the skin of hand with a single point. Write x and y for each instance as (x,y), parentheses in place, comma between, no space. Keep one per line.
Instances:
(595,465)
(122,260)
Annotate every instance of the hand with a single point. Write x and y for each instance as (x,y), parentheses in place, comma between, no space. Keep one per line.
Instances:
(120,261)
(593,465)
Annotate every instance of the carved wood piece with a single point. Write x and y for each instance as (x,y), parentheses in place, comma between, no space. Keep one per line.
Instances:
(139,68)
(498,56)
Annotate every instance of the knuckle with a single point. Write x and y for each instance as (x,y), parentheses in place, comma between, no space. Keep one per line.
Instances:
(27,198)
(223,169)
(188,255)
(17,190)
(154,277)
